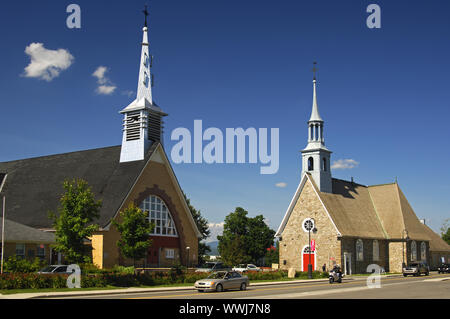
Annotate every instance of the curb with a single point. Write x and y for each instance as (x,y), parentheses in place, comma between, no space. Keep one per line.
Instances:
(164,289)
(141,290)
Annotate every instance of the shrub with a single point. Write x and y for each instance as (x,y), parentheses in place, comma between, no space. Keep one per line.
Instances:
(22,266)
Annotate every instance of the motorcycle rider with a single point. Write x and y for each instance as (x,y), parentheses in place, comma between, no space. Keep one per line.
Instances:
(337,270)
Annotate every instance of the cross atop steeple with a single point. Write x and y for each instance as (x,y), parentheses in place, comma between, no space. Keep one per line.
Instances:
(314,69)
(145,11)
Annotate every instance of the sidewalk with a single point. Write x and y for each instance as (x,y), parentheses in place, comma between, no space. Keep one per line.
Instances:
(137,290)
(161,289)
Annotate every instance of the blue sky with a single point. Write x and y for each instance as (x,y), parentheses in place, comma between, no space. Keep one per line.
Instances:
(383,93)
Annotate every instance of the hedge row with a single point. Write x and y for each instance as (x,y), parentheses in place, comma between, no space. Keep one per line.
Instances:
(35,281)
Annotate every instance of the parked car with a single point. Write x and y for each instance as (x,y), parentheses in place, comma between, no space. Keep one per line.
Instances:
(54,269)
(444,268)
(246,267)
(212,266)
(222,280)
(416,269)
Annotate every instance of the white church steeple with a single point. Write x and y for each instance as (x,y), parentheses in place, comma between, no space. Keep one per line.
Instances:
(142,124)
(316,157)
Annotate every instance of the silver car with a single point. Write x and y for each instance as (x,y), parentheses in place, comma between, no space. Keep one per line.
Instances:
(223,280)
(416,269)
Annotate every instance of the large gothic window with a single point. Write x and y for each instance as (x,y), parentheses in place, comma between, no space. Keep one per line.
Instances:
(376,250)
(413,251)
(423,251)
(159,215)
(359,250)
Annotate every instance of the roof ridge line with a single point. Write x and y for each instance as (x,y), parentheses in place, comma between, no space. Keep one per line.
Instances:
(59,154)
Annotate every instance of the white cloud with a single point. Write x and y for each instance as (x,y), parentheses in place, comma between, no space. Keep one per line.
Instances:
(281,185)
(128,93)
(216,230)
(344,164)
(105,87)
(46,64)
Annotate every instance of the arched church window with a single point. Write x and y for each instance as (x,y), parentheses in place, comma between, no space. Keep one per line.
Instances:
(310,164)
(324,163)
(160,216)
(413,251)
(423,251)
(359,250)
(376,250)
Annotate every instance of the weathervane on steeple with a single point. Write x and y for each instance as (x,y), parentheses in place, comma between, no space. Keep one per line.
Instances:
(314,69)
(145,11)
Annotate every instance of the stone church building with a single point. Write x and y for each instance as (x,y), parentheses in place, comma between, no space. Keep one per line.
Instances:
(331,221)
(137,171)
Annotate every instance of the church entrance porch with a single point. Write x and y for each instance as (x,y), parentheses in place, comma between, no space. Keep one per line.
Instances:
(308,258)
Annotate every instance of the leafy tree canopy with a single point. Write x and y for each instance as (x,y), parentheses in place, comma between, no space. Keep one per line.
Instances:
(244,239)
(75,223)
(134,229)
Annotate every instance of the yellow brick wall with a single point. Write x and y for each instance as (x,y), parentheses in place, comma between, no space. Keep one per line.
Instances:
(154,177)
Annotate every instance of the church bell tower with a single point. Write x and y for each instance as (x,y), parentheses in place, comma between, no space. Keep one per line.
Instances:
(143,119)
(316,157)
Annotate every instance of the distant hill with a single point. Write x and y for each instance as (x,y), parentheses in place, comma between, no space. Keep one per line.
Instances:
(213,246)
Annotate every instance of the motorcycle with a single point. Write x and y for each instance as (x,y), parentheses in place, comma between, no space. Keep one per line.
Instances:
(335,276)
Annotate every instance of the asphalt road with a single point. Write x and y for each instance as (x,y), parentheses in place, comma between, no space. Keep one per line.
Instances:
(424,287)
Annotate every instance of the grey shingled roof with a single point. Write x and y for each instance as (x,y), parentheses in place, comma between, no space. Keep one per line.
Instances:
(18,233)
(34,186)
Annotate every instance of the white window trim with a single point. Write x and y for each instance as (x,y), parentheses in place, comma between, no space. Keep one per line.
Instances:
(168,214)
(170,253)
(312,253)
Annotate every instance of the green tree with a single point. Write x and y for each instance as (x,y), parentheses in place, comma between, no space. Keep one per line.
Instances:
(134,229)
(244,239)
(202,225)
(445,231)
(75,223)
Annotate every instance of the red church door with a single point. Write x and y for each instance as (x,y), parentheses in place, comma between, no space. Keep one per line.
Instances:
(306,259)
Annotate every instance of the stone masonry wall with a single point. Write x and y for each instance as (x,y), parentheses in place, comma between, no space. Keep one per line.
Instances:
(294,238)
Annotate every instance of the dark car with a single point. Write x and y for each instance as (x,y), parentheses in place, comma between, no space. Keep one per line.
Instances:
(416,269)
(443,269)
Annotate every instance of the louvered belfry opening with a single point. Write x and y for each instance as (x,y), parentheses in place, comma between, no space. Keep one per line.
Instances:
(155,127)
(133,123)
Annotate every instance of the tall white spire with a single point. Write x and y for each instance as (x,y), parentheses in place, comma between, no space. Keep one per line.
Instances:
(315,116)
(144,90)
(316,157)
(142,124)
